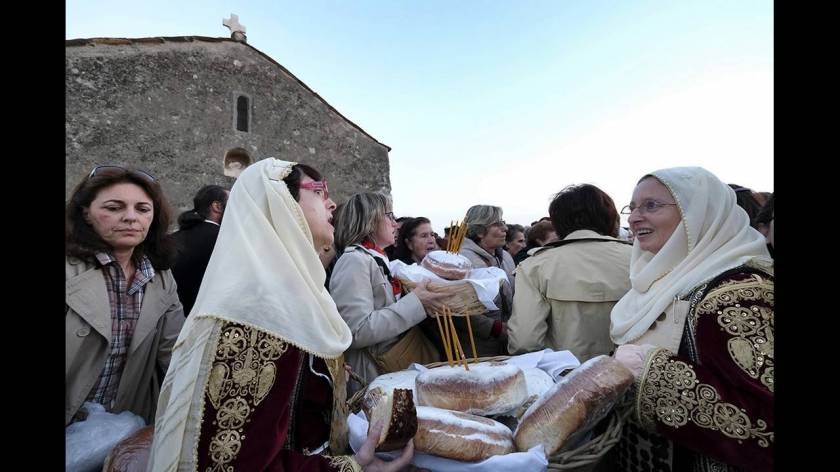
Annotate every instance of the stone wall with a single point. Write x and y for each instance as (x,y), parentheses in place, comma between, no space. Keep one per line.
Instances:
(168,106)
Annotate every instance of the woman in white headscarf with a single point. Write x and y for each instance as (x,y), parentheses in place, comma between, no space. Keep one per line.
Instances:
(696,328)
(257,380)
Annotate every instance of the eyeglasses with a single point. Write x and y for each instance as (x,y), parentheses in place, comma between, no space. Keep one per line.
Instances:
(316,186)
(390,215)
(649,206)
(100,169)
(498,223)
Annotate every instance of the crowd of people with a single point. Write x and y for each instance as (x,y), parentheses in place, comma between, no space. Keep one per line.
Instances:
(241,335)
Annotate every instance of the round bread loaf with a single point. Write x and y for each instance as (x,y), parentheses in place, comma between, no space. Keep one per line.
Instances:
(447,265)
(486,389)
(460,436)
(132,453)
(573,405)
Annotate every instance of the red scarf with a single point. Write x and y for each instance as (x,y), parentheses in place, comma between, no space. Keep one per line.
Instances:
(396,286)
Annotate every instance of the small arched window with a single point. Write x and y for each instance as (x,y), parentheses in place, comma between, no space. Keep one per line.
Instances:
(243,112)
(236,160)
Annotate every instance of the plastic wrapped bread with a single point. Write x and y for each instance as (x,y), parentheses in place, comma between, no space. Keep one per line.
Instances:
(486,389)
(447,265)
(573,406)
(460,436)
(395,409)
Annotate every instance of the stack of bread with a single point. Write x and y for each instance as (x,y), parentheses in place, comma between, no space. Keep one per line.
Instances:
(453,405)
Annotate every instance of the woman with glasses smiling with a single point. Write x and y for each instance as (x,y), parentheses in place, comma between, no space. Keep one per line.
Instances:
(484,246)
(384,322)
(696,328)
(122,313)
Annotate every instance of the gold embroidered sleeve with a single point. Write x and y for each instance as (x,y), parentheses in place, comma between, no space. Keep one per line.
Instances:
(671,394)
(344,463)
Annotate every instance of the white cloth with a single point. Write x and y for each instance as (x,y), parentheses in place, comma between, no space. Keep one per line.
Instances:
(485,280)
(552,362)
(264,272)
(713,237)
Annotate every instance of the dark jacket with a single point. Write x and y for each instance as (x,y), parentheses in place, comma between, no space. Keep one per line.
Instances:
(195,245)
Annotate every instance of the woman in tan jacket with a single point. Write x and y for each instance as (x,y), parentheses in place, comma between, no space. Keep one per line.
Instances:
(566,289)
(367,297)
(122,314)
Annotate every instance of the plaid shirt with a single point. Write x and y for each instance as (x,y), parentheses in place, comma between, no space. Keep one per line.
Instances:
(125,310)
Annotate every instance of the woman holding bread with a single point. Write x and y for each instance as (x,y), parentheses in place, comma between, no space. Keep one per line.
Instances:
(257,379)
(382,320)
(696,328)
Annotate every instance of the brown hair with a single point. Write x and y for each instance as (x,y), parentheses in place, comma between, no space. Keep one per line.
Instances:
(583,206)
(82,241)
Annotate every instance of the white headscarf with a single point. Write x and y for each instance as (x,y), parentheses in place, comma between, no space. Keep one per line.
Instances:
(713,237)
(264,272)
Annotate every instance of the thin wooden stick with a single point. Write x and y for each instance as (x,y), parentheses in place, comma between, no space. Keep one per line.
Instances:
(448,339)
(443,338)
(457,344)
(472,340)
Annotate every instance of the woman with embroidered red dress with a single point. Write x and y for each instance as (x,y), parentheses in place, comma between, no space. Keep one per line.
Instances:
(257,378)
(370,300)
(696,328)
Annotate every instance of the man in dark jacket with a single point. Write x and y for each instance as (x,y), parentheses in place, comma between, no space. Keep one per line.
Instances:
(196,237)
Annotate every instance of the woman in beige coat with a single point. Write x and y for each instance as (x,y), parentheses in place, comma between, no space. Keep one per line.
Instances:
(366,295)
(122,314)
(566,289)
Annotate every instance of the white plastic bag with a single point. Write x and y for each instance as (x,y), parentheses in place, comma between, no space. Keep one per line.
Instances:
(87,443)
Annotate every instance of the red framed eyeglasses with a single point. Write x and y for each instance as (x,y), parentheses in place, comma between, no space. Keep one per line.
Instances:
(317,185)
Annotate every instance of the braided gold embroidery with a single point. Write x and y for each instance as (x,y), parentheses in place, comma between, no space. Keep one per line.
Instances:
(344,463)
(751,328)
(240,379)
(671,393)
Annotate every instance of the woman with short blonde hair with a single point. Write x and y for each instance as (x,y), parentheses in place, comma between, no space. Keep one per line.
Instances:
(370,300)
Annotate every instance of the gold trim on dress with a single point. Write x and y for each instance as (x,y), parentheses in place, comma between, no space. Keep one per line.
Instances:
(344,463)
(751,327)
(240,379)
(671,394)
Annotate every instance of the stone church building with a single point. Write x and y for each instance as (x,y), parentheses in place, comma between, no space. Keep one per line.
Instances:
(195,110)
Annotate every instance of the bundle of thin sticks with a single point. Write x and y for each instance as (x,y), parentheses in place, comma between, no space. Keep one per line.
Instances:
(451,343)
(457,231)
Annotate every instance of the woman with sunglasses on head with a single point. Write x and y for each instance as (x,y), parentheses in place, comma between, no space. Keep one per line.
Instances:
(696,328)
(370,300)
(122,313)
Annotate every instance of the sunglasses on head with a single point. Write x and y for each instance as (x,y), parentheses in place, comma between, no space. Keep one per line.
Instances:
(106,169)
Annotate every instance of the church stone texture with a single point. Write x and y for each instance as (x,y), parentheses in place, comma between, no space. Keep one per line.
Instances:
(194,111)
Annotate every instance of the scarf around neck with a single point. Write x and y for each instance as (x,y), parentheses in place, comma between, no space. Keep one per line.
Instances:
(713,237)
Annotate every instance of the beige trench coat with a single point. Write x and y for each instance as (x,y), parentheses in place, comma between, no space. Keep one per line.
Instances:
(366,301)
(564,296)
(87,337)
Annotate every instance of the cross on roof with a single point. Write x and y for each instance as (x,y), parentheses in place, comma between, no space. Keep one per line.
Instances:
(233,25)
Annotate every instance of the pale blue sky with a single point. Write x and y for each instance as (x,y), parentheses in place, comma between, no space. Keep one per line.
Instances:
(506,102)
